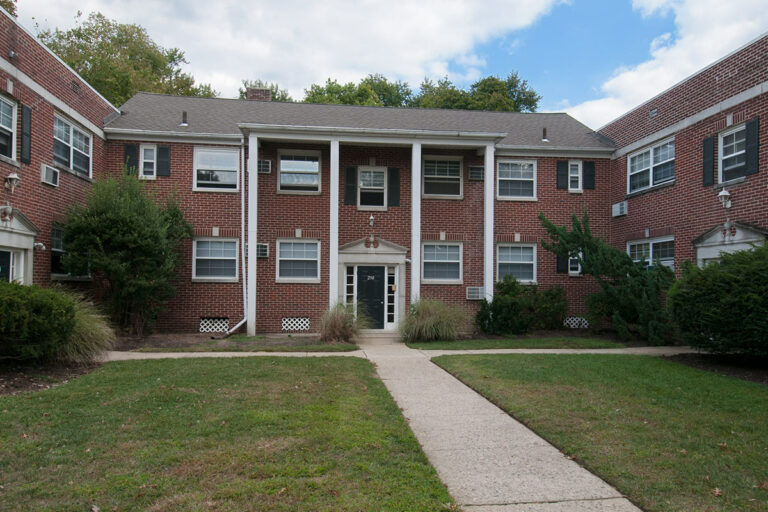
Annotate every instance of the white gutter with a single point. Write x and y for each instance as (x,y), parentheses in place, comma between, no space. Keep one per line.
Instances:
(140,134)
(242,239)
(371,131)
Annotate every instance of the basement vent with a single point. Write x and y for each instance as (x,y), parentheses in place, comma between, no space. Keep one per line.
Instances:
(576,322)
(49,175)
(475,293)
(214,324)
(265,166)
(296,323)
(476,172)
(619,209)
(262,250)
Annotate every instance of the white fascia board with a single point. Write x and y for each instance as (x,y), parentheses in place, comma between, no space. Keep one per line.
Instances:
(564,151)
(50,52)
(335,131)
(163,136)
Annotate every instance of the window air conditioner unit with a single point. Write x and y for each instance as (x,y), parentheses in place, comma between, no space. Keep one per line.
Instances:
(619,209)
(265,166)
(49,175)
(476,172)
(475,293)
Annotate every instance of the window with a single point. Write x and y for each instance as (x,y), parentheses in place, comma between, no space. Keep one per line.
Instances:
(215,260)
(57,251)
(298,261)
(148,163)
(574,176)
(71,147)
(441,263)
(651,166)
(733,152)
(574,267)
(7,128)
(442,176)
(372,190)
(215,169)
(12,266)
(517,260)
(517,179)
(649,251)
(299,172)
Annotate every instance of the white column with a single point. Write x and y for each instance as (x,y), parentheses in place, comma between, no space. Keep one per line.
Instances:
(415,221)
(488,235)
(333,257)
(253,196)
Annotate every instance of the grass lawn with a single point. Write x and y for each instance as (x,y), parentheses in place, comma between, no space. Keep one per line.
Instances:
(241,343)
(665,435)
(516,343)
(269,434)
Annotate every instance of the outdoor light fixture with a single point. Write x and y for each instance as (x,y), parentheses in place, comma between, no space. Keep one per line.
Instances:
(725,198)
(40,246)
(370,220)
(11,181)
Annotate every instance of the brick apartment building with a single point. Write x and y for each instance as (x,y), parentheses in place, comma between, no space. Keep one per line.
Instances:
(296,206)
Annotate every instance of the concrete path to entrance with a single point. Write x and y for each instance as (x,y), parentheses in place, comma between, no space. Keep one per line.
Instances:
(489,461)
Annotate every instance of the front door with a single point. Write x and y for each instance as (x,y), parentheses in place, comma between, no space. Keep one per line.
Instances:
(370,294)
(5,266)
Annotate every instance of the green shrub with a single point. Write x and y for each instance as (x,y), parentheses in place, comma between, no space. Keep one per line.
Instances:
(518,308)
(723,307)
(339,324)
(90,336)
(431,320)
(34,322)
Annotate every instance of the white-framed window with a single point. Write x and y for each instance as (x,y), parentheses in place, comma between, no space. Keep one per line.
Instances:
(441,263)
(575,176)
(7,128)
(57,251)
(216,169)
(649,251)
(651,166)
(148,161)
(574,266)
(299,171)
(732,152)
(516,180)
(518,260)
(12,265)
(298,260)
(214,259)
(372,188)
(71,146)
(442,177)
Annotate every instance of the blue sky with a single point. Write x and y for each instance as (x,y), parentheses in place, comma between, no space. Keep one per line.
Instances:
(594,59)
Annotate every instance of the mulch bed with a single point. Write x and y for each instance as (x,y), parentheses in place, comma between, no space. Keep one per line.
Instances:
(16,378)
(751,368)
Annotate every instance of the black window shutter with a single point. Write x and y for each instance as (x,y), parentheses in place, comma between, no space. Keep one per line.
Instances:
(393,186)
(131,158)
(709,161)
(26,135)
(163,161)
(751,147)
(562,265)
(589,175)
(350,185)
(562,174)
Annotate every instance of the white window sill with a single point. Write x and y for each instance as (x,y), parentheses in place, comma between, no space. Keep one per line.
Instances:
(521,282)
(449,198)
(9,161)
(215,280)
(575,274)
(216,190)
(442,281)
(371,208)
(528,199)
(734,181)
(286,280)
(574,191)
(299,192)
(649,189)
(77,174)
(148,178)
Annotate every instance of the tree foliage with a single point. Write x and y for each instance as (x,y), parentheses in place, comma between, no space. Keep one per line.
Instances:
(10,6)
(518,308)
(630,295)
(723,307)
(120,59)
(373,90)
(278,94)
(127,240)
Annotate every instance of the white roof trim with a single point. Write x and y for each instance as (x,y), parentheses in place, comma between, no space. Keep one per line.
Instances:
(371,131)
(160,135)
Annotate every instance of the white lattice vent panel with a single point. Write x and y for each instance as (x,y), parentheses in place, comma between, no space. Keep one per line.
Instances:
(296,323)
(576,322)
(211,324)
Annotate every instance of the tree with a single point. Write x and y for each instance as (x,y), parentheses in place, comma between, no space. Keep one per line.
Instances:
(120,59)
(390,94)
(341,94)
(442,94)
(127,240)
(630,295)
(510,95)
(278,94)
(10,6)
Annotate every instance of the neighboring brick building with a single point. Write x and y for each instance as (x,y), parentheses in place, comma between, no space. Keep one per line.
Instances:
(378,206)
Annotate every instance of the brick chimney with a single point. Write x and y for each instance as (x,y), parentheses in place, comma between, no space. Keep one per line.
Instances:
(252,93)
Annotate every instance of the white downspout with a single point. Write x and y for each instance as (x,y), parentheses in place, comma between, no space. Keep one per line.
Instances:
(242,238)
(253,199)
(489,201)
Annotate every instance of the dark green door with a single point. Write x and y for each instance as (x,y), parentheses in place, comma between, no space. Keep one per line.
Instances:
(5,266)
(370,294)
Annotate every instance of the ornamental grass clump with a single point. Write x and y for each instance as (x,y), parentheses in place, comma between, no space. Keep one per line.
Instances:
(339,324)
(431,320)
(91,334)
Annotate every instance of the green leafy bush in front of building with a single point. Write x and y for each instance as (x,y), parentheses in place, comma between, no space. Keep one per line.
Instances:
(518,308)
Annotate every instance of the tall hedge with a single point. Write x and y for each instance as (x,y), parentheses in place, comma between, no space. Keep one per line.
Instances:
(723,307)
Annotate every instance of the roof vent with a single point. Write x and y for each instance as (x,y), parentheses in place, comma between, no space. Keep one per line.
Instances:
(184,122)
(544,135)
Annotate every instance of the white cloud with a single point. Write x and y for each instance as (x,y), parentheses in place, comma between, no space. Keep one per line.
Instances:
(706,30)
(297,43)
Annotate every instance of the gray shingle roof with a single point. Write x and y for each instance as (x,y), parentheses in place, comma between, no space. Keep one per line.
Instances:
(157,112)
